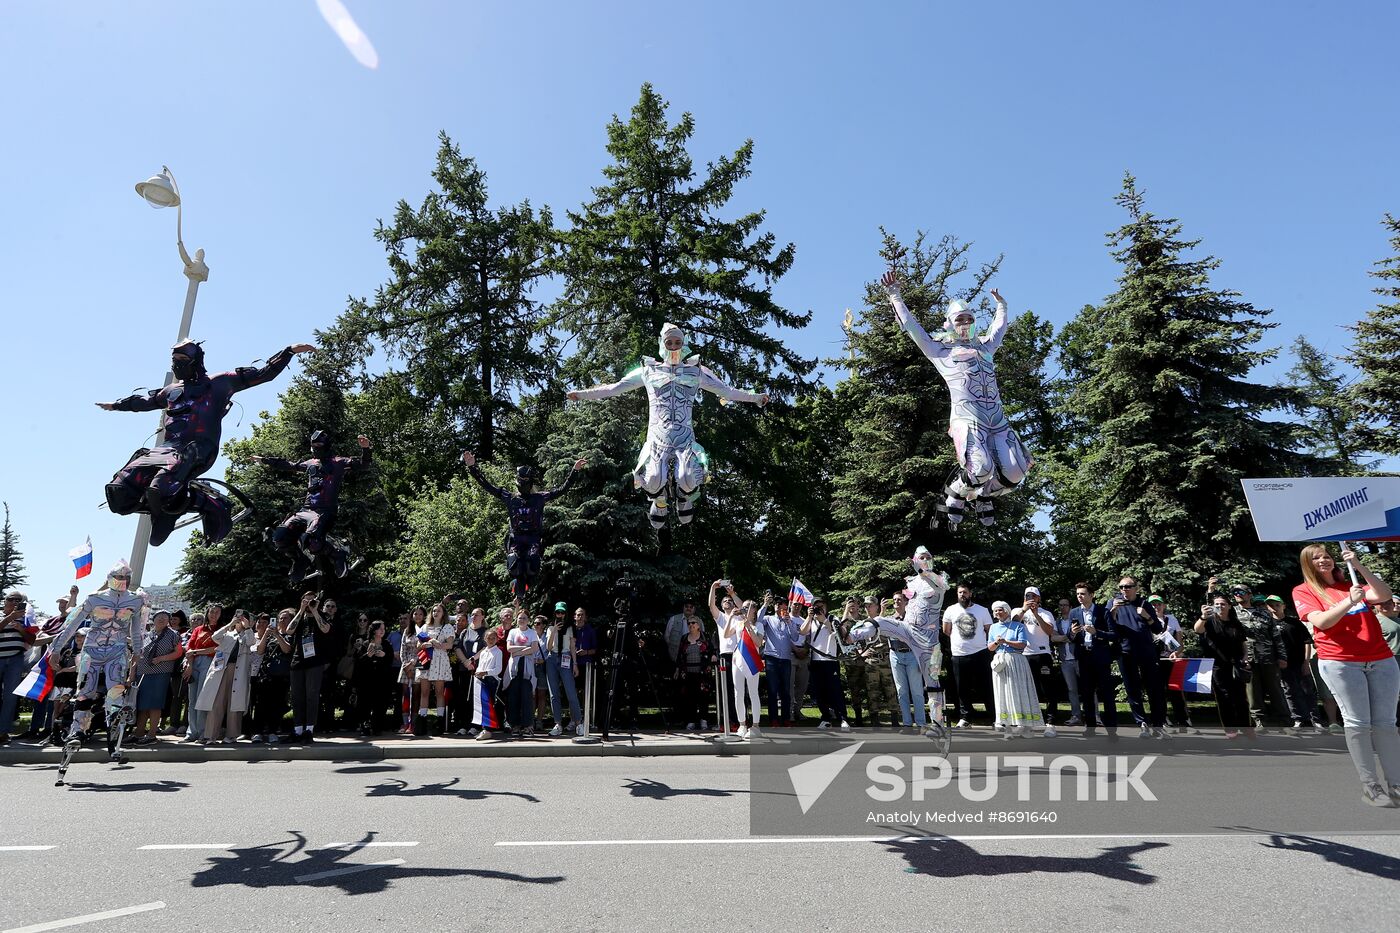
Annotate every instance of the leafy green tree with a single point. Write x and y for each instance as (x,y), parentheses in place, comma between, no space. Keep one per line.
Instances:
(449,533)
(1157,387)
(11,560)
(1376,395)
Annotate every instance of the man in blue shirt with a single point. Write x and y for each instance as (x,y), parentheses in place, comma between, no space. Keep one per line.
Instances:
(1135,621)
(778,629)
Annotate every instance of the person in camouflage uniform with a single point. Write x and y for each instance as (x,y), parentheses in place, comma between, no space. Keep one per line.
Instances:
(879,679)
(1265,649)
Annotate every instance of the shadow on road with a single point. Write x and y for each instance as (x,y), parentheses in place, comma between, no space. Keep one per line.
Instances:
(155,786)
(348,870)
(942,857)
(655,790)
(369,769)
(396,788)
(1339,853)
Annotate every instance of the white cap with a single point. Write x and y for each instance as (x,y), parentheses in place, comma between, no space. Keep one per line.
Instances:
(1032,591)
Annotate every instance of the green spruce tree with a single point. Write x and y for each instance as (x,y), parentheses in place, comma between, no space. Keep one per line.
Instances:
(1329,423)
(1166,420)
(1376,395)
(11,560)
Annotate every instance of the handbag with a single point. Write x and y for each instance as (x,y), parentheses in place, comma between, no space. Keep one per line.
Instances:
(1000,661)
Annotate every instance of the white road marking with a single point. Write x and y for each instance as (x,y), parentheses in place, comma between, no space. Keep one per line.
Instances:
(347,870)
(799,840)
(188,845)
(26,848)
(367,845)
(87,918)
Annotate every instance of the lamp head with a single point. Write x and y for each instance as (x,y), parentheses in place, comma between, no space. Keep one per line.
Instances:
(159,190)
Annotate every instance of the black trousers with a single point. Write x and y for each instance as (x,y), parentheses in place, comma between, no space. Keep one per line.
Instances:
(1045,676)
(1143,674)
(1097,690)
(826,685)
(973,675)
(1231,698)
(1180,715)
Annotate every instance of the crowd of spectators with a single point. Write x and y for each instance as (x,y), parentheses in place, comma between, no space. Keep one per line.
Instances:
(221,675)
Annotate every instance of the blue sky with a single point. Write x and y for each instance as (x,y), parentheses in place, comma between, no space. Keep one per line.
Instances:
(1269,129)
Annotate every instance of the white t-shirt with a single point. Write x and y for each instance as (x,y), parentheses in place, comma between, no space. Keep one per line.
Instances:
(825,645)
(969,632)
(519,638)
(1037,642)
(488,662)
(729,643)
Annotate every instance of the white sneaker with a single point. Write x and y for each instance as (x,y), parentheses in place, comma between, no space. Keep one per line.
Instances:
(580,728)
(845,726)
(1145,732)
(754,732)
(823,725)
(704,726)
(743,732)
(962,724)
(557,730)
(1161,734)
(1050,732)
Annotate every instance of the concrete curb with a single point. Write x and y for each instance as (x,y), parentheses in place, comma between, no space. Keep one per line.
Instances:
(649,744)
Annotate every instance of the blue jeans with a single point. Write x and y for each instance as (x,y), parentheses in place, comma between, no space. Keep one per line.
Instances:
(1069,669)
(556,676)
(909,685)
(201,666)
(12,671)
(778,677)
(1366,692)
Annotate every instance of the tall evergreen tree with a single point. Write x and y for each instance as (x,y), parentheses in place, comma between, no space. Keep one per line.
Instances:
(1328,422)
(1376,394)
(652,246)
(1158,378)
(457,309)
(11,560)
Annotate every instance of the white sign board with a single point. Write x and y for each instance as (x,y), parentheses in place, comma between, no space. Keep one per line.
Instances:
(1325,508)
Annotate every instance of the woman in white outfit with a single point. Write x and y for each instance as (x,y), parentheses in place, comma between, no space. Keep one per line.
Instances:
(1017,706)
(436,636)
(732,620)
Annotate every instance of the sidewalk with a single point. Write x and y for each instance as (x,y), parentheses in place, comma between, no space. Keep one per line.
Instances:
(653,743)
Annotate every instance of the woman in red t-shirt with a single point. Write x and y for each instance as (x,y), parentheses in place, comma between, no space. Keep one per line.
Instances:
(1356,663)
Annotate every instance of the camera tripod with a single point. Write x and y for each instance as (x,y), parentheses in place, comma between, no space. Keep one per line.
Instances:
(623,607)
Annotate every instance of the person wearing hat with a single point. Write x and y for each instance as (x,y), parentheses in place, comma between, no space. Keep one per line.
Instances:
(560,662)
(1040,628)
(1298,688)
(525,518)
(880,692)
(1265,650)
(1170,641)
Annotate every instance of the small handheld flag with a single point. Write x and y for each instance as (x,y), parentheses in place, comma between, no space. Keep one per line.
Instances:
(82,558)
(1191,675)
(38,682)
(747,656)
(484,712)
(799,595)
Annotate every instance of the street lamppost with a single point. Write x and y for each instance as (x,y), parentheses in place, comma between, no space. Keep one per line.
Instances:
(162,191)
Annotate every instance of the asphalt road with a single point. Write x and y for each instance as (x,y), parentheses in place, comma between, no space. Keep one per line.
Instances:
(608,844)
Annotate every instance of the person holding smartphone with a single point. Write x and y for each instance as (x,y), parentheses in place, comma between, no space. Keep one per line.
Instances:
(1224,639)
(1135,620)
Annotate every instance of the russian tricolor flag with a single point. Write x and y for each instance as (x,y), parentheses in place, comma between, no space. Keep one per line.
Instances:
(82,558)
(799,595)
(38,682)
(747,656)
(484,713)
(1191,675)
